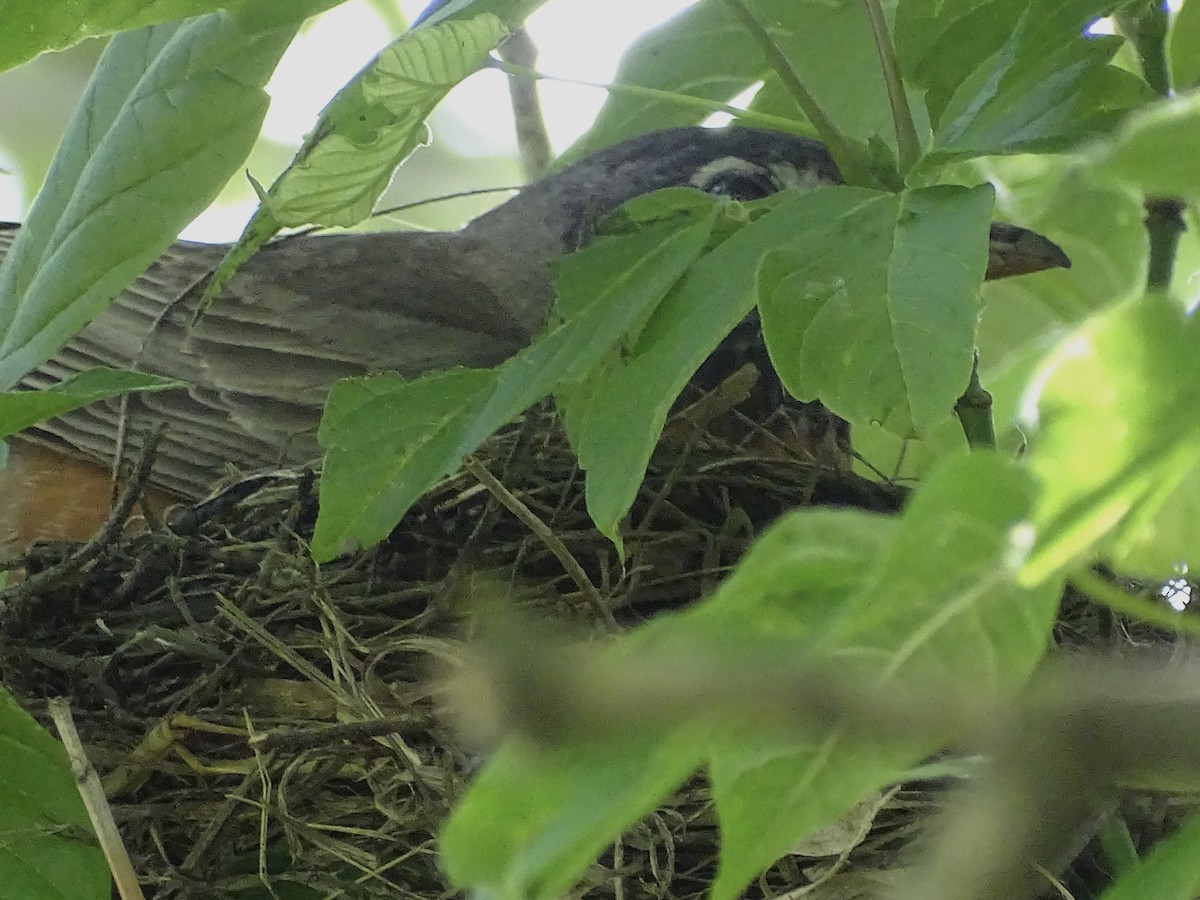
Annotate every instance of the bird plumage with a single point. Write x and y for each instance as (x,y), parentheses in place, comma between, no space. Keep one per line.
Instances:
(309,310)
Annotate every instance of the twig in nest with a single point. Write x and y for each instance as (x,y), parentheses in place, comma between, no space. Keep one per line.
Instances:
(543,532)
(96,804)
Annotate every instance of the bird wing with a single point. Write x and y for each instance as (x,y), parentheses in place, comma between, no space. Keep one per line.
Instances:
(262,358)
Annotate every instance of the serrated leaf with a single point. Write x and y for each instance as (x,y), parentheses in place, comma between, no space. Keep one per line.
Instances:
(373,124)
(50,852)
(952,608)
(874,309)
(942,43)
(390,440)
(377,120)
(1035,96)
(1156,148)
(21,409)
(1114,415)
(167,118)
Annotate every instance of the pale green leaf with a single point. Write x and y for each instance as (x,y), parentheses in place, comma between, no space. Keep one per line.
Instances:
(377,120)
(1156,149)
(1113,414)
(941,599)
(1183,48)
(167,119)
(374,123)
(534,820)
(20,409)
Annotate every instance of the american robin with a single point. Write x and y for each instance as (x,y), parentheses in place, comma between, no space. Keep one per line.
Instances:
(309,310)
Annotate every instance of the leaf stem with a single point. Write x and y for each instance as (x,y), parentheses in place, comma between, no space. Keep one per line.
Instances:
(1147,31)
(1164,225)
(974,411)
(907,142)
(853,169)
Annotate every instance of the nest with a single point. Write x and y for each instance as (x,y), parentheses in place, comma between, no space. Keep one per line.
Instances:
(257,718)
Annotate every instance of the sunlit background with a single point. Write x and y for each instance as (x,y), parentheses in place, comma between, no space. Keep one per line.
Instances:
(474,146)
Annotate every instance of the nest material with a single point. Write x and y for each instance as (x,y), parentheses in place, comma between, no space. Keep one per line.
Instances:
(256,716)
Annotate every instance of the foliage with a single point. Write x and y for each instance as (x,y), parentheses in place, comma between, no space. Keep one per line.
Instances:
(869,301)
(49,851)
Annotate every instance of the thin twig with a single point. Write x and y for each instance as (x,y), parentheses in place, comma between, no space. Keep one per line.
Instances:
(96,803)
(764,120)
(543,532)
(533,143)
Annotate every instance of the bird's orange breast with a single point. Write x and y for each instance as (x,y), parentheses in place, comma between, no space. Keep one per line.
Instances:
(47,495)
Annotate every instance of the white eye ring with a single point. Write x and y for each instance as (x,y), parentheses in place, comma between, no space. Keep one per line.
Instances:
(733,177)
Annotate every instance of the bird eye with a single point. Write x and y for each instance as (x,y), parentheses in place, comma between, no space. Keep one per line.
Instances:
(741,185)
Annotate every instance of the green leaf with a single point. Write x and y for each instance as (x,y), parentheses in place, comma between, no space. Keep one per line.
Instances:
(874,308)
(34,26)
(616,423)
(1045,102)
(942,43)
(533,821)
(952,609)
(50,852)
(377,120)
(813,584)
(1183,48)
(1115,412)
(167,118)
(390,440)
(21,409)
(1156,148)
(705,52)
(1170,872)
(373,124)
(1012,76)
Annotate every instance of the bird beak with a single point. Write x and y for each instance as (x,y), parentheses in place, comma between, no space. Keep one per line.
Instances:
(1013,250)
